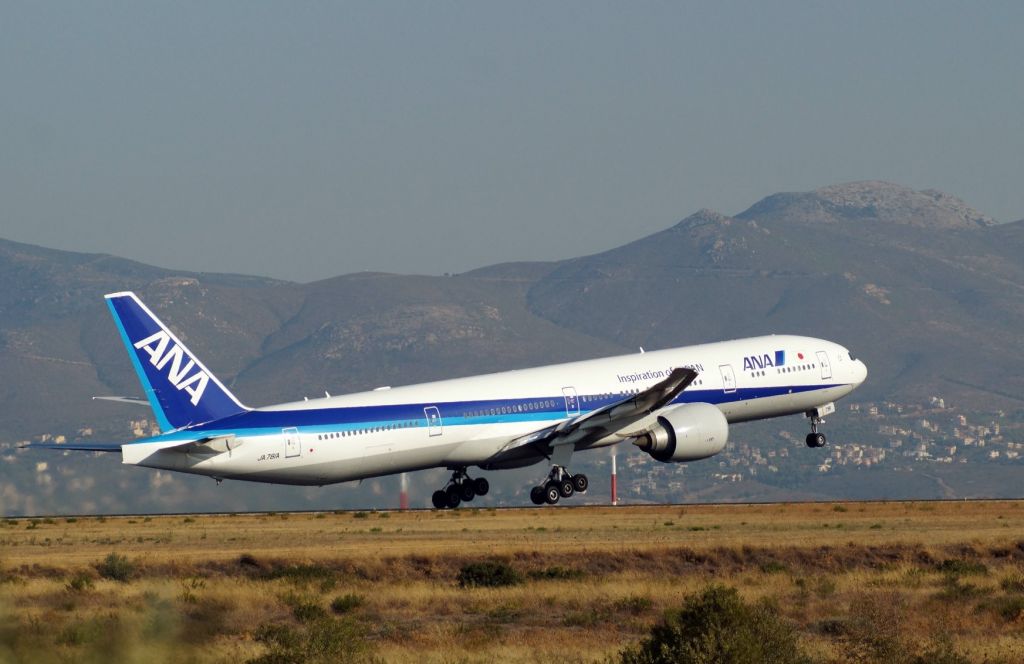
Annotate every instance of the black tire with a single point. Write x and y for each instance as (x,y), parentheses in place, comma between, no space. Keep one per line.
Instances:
(481,486)
(552,493)
(580,483)
(439,499)
(452,497)
(811,440)
(466,492)
(565,488)
(537,495)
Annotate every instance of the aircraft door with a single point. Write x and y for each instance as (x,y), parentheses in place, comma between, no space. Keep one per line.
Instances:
(292,444)
(572,401)
(826,368)
(728,378)
(434,423)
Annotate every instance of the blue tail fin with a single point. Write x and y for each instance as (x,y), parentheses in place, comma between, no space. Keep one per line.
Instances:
(180,389)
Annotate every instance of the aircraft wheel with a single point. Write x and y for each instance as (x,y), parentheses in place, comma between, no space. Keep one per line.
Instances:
(466,492)
(452,497)
(481,486)
(580,483)
(565,488)
(811,440)
(439,499)
(537,495)
(819,440)
(552,493)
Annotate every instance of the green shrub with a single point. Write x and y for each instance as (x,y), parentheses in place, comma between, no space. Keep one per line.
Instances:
(878,630)
(1013,583)
(346,603)
(189,588)
(505,613)
(80,582)
(774,567)
(555,573)
(1009,608)
(278,635)
(78,633)
(956,590)
(300,574)
(957,566)
(116,567)
(831,627)
(489,574)
(323,640)
(717,625)
(306,612)
(634,604)
(940,653)
(587,616)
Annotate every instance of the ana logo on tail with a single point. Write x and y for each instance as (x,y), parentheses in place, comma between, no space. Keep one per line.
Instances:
(160,356)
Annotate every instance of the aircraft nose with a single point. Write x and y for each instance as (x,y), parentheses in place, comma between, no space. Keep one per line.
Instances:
(860,372)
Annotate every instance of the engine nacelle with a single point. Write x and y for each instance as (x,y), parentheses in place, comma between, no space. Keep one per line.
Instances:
(686,433)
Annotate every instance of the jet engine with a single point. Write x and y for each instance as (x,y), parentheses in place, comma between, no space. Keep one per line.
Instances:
(686,433)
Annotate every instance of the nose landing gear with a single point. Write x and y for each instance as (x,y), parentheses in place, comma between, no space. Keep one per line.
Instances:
(461,488)
(559,484)
(816,438)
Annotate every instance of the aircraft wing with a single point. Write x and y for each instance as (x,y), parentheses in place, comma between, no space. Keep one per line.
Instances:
(599,423)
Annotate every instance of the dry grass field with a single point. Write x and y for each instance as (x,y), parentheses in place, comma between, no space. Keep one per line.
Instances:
(858,581)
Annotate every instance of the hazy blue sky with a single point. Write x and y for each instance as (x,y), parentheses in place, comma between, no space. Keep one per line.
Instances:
(305,140)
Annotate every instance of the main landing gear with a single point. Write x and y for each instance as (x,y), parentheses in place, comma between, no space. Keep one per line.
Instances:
(461,488)
(560,484)
(815,438)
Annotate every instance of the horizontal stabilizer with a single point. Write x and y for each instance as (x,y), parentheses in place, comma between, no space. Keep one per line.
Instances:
(210,445)
(135,401)
(75,447)
(140,454)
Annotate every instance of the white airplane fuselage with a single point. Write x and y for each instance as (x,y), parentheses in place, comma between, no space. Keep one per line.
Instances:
(469,421)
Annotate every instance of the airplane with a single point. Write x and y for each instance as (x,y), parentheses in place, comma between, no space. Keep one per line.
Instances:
(676,405)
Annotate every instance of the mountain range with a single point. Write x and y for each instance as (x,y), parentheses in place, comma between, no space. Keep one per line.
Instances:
(926,290)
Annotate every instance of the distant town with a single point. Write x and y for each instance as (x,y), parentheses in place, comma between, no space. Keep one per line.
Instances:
(862,437)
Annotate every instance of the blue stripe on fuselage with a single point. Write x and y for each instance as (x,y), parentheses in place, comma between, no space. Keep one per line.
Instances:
(453,413)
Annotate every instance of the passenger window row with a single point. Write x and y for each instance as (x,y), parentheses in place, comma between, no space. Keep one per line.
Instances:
(507,410)
(391,426)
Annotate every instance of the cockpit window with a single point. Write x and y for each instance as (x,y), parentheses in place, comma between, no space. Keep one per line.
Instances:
(851,356)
